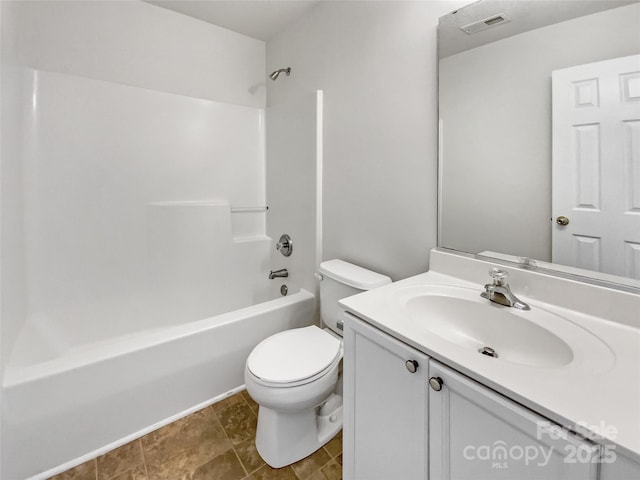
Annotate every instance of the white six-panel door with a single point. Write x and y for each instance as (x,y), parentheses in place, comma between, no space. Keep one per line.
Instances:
(596,166)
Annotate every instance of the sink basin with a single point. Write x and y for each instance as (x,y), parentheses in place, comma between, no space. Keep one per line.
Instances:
(535,338)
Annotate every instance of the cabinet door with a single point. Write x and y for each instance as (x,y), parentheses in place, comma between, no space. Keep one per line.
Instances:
(385,406)
(477,434)
(618,467)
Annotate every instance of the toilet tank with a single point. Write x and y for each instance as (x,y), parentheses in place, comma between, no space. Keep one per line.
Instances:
(341,279)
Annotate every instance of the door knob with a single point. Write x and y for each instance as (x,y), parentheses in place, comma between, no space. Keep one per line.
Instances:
(562,220)
(436,383)
(411,365)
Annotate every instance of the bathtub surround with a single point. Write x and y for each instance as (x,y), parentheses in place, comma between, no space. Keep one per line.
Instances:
(152,300)
(213,443)
(134,191)
(127,43)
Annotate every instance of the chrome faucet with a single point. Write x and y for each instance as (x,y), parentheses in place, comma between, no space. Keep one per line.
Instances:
(278,273)
(500,292)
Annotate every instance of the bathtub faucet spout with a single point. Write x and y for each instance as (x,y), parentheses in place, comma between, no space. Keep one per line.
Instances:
(278,273)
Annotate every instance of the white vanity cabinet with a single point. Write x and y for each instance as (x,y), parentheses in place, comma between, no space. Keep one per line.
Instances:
(431,422)
(385,406)
(476,433)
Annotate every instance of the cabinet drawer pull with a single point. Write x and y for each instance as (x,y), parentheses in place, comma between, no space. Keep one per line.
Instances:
(411,365)
(436,383)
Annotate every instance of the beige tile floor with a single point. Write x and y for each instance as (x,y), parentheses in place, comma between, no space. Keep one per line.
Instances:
(216,443)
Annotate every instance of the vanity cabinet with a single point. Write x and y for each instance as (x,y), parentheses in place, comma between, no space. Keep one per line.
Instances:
(476,433)
(423,420)
(385,406)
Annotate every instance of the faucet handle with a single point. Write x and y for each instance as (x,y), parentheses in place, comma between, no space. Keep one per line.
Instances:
(499,276)
(285,245)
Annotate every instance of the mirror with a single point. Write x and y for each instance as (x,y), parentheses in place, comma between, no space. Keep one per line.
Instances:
(517,82)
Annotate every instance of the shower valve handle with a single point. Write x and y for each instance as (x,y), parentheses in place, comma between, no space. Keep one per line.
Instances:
(285,245)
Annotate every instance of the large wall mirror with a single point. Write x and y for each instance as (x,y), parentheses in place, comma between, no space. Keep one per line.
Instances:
(540,134)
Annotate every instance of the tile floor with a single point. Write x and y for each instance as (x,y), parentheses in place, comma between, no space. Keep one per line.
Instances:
(215,443)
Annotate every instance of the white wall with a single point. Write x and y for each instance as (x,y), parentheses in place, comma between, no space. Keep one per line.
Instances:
(496,110)
(139,44)
(376,63)
(292,156)
(12,265)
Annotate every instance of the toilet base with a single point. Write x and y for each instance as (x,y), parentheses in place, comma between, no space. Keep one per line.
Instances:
(285,438)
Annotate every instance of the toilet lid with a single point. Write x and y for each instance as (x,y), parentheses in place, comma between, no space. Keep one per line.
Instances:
(293,355)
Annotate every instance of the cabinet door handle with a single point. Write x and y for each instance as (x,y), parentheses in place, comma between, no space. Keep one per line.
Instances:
(436,383)
(411,365)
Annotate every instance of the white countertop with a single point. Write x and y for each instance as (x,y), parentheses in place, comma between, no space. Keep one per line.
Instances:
(600,401)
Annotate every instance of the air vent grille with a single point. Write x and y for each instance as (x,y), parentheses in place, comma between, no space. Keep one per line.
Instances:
(486,23)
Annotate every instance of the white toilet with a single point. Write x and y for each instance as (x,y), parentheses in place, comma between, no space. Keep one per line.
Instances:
(294,375)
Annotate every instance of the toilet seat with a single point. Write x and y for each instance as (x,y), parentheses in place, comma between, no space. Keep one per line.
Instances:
(294,357)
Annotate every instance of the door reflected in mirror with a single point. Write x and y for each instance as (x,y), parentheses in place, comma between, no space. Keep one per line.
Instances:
(540,135)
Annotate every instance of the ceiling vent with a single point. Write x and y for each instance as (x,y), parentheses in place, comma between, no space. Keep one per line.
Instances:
(489,22)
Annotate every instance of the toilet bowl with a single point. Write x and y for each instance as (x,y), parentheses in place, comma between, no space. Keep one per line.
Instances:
(290,426)
(294,375)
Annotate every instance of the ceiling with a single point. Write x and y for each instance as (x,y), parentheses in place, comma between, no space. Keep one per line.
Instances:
(260,19)
(525,14)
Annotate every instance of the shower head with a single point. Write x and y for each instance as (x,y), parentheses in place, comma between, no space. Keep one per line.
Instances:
(275,74)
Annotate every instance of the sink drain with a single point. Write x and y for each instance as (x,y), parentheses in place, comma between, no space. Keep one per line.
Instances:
(488,351)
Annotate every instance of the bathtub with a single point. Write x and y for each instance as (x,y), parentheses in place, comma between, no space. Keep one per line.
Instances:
(63,411)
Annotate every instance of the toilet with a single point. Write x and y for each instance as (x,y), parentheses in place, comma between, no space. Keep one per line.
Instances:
(294,375)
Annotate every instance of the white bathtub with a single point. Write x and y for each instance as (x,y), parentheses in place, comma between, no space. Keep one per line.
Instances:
(66,410)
